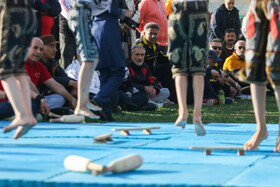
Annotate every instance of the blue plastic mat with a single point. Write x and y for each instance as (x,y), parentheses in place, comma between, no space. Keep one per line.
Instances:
(37,158)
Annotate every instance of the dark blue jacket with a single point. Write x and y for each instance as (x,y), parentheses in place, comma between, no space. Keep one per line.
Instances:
(57,73)
(223,19)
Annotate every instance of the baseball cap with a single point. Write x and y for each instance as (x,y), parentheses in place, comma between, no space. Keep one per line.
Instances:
(213,55)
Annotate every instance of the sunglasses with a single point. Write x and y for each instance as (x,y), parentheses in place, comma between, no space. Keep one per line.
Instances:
(216,47)
(240,47)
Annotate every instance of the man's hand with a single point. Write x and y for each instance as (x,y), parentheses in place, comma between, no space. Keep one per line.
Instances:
(44,108)
(215,74)
(150,90)
(129,13)
(74,103)
(125,28)
(233,91)
(237,86)
(74,92)
(153,93)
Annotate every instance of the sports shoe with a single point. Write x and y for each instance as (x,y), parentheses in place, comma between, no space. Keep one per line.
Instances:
(210,102)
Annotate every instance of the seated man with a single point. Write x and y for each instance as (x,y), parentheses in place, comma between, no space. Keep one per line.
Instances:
(156,59)
(142,78)
(218,79)
(39,75)
(228,44)
(237,60)
(73,70)
(128,100)
(132,101)
(216,45)
(53,67)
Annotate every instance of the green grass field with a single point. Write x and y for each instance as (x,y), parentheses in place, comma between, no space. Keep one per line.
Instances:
(241,111)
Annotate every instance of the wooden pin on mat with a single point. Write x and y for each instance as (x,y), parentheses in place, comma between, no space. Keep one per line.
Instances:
(125,130)
(102,138)
(121,165)
(53,115)
(69,119)
(207,150)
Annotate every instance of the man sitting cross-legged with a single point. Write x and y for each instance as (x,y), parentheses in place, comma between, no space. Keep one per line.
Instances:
(142,78)
(40,75)
(53,67)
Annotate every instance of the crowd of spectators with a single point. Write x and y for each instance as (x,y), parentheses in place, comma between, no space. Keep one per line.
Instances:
(134,71)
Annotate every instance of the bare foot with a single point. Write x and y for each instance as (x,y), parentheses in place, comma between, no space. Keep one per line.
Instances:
(256,139)
(182,120)
(277,148)
(86,112)
(198,127)
(93,107)
(23,125)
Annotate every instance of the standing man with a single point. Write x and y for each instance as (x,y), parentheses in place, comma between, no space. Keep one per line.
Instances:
(67,41)
(80,24)
(17,27)
(263,61)
(155,11)
(106,32)
(187,51)
(224,17)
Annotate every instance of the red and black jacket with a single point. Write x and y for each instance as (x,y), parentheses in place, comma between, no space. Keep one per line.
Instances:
(141,76)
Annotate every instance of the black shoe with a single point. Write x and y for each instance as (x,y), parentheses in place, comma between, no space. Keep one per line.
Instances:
(149,106)
(118,109)
(101,114)
(62,111)
(111,119)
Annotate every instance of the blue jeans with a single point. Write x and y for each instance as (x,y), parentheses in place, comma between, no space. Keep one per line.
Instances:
(7,110)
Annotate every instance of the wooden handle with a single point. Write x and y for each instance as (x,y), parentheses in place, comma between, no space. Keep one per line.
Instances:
(56,120)
(101,137)
(133,128)
(96,169)
(219,148)
(54,115)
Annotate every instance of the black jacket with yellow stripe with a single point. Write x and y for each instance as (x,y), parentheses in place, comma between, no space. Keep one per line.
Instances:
(154,57)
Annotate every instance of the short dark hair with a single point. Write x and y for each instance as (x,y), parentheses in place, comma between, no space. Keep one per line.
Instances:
(151,25)
(229,30)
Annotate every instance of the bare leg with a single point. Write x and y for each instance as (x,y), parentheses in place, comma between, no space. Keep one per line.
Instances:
(18,92)
(84,81)
(181,83)
(277,96)
(258,93)
(198,87)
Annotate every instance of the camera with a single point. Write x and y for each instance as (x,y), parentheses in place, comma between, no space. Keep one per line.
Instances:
(128,21)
